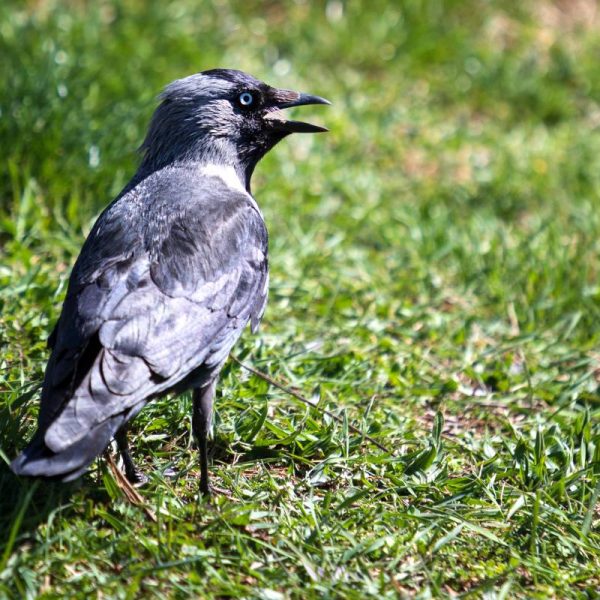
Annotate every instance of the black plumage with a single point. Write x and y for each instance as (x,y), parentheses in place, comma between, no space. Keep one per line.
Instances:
(170,275)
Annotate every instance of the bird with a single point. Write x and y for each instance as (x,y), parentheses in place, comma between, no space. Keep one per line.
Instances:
(172,272)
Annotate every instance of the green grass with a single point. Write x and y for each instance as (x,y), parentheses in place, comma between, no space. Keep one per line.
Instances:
(435,283)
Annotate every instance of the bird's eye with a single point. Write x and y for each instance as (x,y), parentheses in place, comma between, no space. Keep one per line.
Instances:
(246,99)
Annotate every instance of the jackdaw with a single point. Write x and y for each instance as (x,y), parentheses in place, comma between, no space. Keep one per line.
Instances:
(171,273)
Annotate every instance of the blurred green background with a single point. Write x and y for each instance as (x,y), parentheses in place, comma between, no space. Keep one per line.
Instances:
(435,257)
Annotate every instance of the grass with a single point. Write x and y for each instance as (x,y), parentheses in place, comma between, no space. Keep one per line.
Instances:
(435,283)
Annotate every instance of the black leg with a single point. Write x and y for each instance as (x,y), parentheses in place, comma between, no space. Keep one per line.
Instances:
(131,472)
(201,420)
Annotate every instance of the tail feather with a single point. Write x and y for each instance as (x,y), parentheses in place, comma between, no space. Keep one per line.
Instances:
(37,460)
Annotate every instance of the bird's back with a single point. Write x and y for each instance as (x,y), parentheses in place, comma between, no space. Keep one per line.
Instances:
(168,278)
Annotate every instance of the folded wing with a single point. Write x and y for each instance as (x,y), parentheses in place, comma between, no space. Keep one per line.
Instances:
(165,284)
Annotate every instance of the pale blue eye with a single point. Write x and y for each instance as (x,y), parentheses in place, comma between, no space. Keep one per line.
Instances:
(246,99)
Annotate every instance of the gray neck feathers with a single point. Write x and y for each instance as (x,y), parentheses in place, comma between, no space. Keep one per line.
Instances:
(180,135)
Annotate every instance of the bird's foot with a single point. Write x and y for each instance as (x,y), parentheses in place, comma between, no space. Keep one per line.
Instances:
(170,473)
(136,478)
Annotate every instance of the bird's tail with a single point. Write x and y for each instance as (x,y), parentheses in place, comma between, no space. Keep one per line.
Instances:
(37,460)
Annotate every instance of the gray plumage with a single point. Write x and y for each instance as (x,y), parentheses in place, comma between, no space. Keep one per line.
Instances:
(170,275)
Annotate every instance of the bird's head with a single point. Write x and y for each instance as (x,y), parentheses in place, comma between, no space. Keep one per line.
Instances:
(222,116)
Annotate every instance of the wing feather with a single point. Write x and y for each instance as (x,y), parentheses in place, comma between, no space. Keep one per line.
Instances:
(174,302)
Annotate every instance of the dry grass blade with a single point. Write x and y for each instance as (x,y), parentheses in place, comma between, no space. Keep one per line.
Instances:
(130,492)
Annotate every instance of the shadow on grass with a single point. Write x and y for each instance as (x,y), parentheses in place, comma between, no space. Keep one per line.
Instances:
(27,503)
(19,501)
(24,504)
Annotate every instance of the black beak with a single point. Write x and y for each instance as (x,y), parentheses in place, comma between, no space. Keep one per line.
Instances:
(289,99)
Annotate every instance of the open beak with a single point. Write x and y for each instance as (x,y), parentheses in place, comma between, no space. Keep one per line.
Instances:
(289,99)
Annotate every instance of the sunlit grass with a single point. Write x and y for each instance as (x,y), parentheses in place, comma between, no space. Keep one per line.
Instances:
(435,283)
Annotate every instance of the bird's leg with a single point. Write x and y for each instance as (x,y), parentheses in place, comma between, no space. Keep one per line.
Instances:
(134,475)
(201,420)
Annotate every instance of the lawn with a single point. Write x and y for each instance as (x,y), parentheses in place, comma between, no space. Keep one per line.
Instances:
(435,286)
